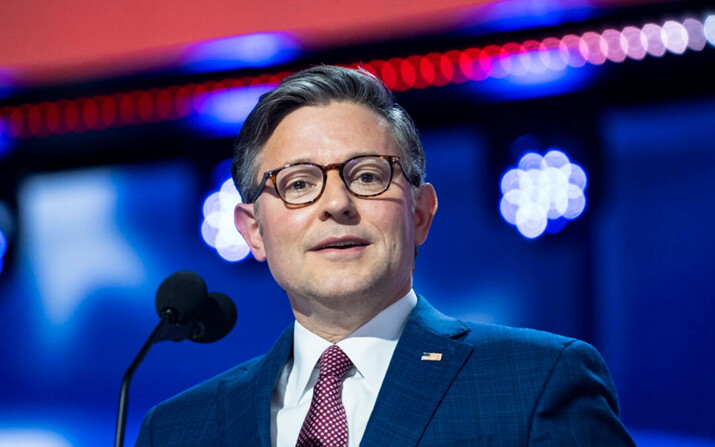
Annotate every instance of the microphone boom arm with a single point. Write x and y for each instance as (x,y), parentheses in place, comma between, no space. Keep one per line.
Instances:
(167,329)
(186,311)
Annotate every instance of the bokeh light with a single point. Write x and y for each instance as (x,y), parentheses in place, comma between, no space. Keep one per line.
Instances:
(593,48)
(245,51)
(537,56)
(529,62)
(3,248)
(218,229)
(632,42)
(6,230)
(696,34)
(674,37)
(551,54)
(709,29)
(31,437)
(653,40)
(613,40)
(571,51)
(5,140)
(540,190)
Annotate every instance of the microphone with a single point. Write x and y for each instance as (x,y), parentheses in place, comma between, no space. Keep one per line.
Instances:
(216,321)
(181,297)
(186,311)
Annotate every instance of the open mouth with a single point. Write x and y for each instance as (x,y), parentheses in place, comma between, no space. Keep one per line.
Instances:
(341,244)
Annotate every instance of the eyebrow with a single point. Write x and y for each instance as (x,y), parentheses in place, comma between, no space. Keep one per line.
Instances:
(307,160)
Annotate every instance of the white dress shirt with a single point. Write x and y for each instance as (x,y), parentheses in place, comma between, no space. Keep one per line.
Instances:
(370,348)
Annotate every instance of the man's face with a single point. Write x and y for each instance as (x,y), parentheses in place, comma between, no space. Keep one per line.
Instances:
(340,246)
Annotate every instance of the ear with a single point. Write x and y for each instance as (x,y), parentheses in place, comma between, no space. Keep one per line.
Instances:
(247,224)
(425,209)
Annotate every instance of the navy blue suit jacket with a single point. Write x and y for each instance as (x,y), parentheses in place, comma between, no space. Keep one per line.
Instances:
(494,386)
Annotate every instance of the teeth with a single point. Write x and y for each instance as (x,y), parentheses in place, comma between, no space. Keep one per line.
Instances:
(342,244)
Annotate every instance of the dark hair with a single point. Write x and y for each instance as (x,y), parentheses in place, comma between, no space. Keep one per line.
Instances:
(320,86)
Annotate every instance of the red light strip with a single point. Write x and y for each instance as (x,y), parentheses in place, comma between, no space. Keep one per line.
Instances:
(116,110)
(399,74)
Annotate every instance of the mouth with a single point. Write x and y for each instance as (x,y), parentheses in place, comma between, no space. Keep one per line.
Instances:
(341,244)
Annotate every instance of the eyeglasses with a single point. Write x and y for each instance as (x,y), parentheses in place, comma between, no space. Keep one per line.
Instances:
(304,183)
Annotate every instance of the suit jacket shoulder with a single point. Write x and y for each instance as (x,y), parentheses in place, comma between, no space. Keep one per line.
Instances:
(231,409)
(493,385)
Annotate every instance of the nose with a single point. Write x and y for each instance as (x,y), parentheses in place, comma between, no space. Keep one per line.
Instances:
(336,201)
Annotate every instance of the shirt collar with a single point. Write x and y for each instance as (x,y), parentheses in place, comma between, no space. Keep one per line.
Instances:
(370,347)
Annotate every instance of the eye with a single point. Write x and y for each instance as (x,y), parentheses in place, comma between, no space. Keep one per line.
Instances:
(295,182)
(367,177)
(296,185)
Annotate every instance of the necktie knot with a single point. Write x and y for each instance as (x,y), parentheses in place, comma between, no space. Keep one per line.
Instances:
(334,362)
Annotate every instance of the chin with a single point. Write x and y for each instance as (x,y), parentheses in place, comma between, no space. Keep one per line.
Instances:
(343,291)
(352,287)
(336,289)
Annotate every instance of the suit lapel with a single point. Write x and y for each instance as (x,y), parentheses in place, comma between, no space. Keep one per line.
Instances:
(245,398)
(413,387)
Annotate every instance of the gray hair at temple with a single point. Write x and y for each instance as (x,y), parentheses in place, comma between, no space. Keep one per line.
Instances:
(319,86)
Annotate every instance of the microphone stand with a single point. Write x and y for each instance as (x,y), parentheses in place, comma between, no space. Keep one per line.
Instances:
(167,329)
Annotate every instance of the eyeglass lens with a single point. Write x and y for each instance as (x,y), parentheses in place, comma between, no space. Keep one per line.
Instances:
(364,176)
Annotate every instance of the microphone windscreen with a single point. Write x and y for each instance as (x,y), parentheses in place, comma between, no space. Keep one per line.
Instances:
(184,293)
(218,318)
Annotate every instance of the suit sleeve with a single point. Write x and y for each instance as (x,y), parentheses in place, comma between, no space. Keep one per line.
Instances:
(578,403)
(144,439)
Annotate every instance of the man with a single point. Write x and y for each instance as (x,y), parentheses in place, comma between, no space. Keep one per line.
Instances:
(333,175)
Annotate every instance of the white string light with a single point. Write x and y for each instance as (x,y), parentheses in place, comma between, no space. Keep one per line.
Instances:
(218,228)
(540,189)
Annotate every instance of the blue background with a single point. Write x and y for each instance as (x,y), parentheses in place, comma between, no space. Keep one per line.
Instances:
(632,276)
(93,233)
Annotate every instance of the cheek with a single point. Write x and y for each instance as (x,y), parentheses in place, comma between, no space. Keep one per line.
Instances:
(284,231)
(277,240)
(399,229)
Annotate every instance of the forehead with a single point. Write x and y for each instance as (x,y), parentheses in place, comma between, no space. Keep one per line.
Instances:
(328,134)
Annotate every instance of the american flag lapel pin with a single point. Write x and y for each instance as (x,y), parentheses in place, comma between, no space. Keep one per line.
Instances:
(431,356)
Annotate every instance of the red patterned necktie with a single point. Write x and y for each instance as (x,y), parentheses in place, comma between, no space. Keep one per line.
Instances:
(326,424)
